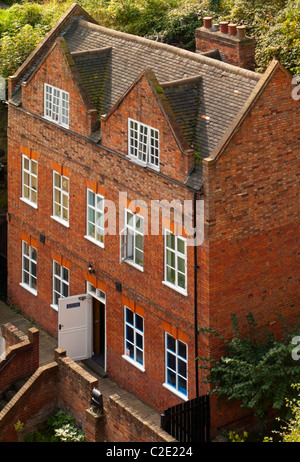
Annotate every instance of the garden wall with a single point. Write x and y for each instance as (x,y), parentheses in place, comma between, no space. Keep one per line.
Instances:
(65,385)
(21,357)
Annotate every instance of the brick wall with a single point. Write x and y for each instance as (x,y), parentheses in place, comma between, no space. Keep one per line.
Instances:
(59,62)
(114,173)
(64,385)
(253,195)
(74,389)
(32,405)
(147,105)
(21,355)
(124,424)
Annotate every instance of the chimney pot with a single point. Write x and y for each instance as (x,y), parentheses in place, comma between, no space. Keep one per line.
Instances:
(241,31)
(224,27)
(232,29)
(207,22)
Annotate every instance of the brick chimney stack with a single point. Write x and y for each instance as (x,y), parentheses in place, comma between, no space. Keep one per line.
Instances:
(229,39)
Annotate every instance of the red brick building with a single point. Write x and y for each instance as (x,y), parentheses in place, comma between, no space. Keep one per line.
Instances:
(99,119)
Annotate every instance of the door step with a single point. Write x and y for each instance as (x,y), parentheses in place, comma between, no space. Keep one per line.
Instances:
(95,367)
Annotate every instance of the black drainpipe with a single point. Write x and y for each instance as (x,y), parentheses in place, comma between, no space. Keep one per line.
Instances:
(195,296)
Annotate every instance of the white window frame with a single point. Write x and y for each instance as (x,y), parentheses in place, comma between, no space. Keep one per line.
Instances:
(177,255)
(136,332)
(177,358)
(98,215)
(128,241)
(56,105)
(61,280)
(96,293)
(63,194)
(32,185)
(143,144)
(31,263)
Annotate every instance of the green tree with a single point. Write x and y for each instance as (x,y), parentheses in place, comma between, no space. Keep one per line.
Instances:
(17,45)
(257,369)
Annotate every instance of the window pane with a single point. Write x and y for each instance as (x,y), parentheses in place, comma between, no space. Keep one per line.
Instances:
(65,274)
(33,253)
(34,167)
(171,343)
(26,278)
(33,283)
(139,257)
(129,333)
(65,185)
(170,241)
(56,268)
(91,198)
(139,340)
(171,362)
(129,350)
(182,367)
(139,356)
(91,215)
(100,203)
(26,264)
(139,224)
(26,192)
(139,322)
(180,245)
(57,285)
(181,264)
(57,180)
(181,280)
(182,385)
(129,218)
(181,349)
(139,241)
(65,290)
(26,179)
(171,258)
(171,378)
(129,316)
(33,269)
(170,275)
(91,230)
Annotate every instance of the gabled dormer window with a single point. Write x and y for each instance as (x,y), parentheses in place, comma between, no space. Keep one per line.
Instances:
(56,105)
(143,143)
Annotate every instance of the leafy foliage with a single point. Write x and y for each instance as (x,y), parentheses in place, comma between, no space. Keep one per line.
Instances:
(274,24)
(17,45)
(290,430)
(257,369)
(60,428)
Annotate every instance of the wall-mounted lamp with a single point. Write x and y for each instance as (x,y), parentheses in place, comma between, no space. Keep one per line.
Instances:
(91,269)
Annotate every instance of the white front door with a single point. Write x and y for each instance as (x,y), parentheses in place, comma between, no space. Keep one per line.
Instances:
(74,326)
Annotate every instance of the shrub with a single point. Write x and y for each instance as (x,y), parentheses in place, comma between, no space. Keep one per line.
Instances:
(257,369)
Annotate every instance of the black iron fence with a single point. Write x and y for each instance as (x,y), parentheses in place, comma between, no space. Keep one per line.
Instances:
(188,422)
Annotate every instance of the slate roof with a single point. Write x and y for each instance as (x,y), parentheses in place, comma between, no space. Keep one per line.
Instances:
(221,92)
(204,93)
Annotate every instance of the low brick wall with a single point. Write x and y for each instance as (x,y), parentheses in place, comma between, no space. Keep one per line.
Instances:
(21,357)
(65,385)
(124,424)
(32,405)
(74,388)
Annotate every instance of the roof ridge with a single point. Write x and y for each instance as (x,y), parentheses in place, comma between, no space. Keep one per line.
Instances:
(180,82)
(93,51)
(179,51)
